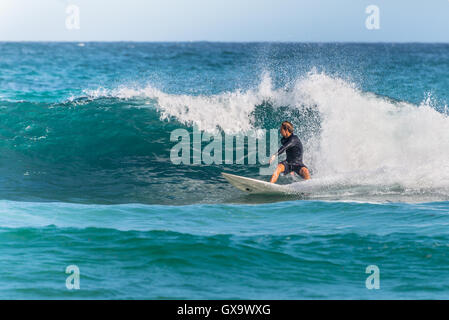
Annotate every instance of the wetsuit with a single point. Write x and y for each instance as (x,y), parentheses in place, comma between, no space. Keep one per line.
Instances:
(292,146)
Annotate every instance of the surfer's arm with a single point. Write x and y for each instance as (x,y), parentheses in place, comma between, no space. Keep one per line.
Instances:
(285,147)
(280,151)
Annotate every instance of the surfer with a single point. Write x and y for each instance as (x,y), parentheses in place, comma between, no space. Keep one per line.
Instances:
(292,146)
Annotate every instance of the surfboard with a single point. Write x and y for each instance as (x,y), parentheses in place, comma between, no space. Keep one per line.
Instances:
(254,186)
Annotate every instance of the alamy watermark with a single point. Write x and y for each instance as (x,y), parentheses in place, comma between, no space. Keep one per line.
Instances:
(72,21)
(372,22)
(373,280)
(252,147)
(73,280)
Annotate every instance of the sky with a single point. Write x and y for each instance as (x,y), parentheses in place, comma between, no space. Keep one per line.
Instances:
(224,20)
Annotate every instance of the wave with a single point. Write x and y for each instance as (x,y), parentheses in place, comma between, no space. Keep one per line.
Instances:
(361,137)
(354,140)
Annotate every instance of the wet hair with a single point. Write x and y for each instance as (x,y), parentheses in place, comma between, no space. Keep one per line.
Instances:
(287,126)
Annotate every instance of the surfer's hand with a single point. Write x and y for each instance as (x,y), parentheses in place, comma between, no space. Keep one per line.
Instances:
(272,158)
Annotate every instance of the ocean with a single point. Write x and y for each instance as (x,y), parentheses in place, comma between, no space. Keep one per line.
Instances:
(92,205)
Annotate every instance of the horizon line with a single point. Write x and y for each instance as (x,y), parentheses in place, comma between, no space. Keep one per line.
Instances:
(221,41)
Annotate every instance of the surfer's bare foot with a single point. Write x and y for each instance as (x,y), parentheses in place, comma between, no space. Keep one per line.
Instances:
(304,173)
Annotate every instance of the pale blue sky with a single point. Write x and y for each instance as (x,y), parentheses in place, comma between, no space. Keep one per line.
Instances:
(225,20)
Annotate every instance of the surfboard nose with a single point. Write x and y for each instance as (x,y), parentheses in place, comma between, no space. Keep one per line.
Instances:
(254,186)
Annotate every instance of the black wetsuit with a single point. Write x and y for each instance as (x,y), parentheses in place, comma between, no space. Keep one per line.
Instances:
(293,148)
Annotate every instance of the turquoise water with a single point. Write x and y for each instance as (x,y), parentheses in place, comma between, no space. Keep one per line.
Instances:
(86,177)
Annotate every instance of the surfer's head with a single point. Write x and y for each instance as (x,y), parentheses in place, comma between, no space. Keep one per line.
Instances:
(286,129)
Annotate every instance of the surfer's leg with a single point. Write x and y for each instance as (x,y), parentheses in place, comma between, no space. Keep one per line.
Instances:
(277,172)
(304,173)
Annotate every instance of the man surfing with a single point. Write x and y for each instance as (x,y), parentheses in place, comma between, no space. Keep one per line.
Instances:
(292,146)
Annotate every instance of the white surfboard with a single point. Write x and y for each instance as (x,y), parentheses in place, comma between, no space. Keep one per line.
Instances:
(255,186)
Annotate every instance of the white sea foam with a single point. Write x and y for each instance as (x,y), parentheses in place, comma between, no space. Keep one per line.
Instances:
(372,140)
(229,111)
